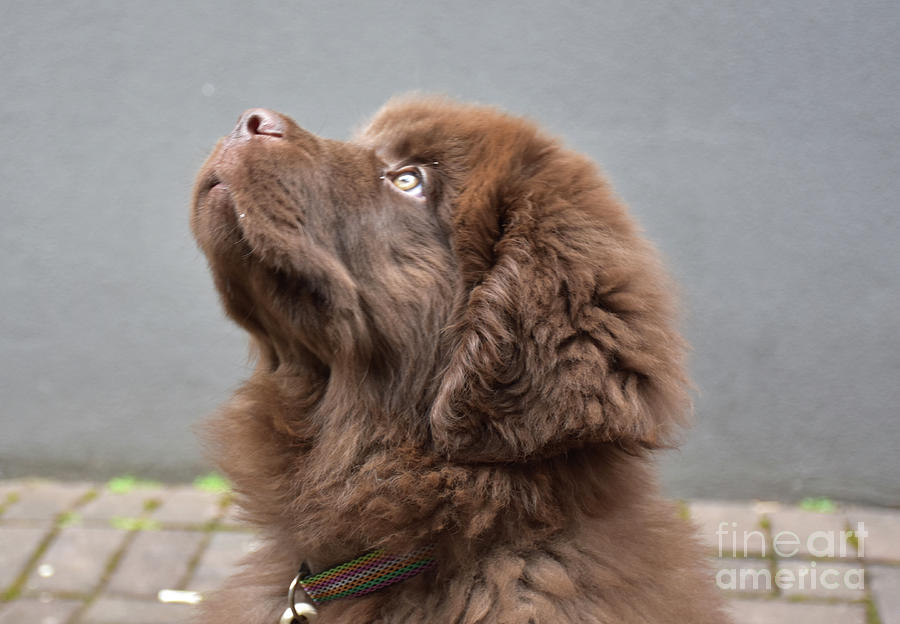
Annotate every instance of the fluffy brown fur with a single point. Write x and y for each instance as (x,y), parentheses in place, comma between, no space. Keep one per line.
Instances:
(483,367)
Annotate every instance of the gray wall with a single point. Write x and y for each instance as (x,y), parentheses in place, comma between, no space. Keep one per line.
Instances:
(756,141)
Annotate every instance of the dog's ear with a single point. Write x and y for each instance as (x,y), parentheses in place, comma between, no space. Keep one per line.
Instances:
(564,331)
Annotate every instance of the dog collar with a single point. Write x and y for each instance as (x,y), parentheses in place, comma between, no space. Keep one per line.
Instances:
(363,575)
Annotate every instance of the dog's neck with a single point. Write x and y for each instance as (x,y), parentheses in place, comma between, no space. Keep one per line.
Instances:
(339,487)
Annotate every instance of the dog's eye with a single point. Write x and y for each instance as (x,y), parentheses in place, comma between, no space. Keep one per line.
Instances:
(409,182)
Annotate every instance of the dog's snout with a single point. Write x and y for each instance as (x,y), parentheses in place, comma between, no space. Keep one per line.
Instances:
(258,121)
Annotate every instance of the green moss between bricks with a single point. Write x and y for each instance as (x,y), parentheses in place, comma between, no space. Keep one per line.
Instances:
(872,616)
(852,538)
(134,524)
(68,518)
(819,505)
(212,482)
(819,600)
(129,483)
(12,497)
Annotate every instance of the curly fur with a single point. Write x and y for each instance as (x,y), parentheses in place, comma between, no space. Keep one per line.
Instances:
(484,368)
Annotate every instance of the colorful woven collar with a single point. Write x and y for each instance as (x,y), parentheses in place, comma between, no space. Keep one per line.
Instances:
(363,575)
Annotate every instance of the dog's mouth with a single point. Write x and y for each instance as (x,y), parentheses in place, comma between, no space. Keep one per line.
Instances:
(215,182)
(216,215)
(213,191)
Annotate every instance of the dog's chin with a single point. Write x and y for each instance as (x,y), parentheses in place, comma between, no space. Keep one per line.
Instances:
(289,328)
(285,312)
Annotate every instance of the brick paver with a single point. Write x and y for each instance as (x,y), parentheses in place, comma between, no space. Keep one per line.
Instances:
(108,506)
(810,534)
(225,550)
(17,546)
(744,576)
(726,528)
(8,488)
(882,542)
(884,582)
(41,502)
(832,580)
(772,612)
(187,506)
(155,560)
(75,561)
(131,611)
(107,557)
(38,611)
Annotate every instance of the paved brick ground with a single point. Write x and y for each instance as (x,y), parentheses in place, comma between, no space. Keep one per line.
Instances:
(86,554)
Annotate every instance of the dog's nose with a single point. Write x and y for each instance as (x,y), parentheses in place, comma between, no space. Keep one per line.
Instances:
(261,121)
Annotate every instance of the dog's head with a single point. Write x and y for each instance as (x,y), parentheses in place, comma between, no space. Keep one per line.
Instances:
(458,258)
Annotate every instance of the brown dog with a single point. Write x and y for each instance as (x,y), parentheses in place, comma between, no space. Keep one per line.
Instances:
(463,344)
